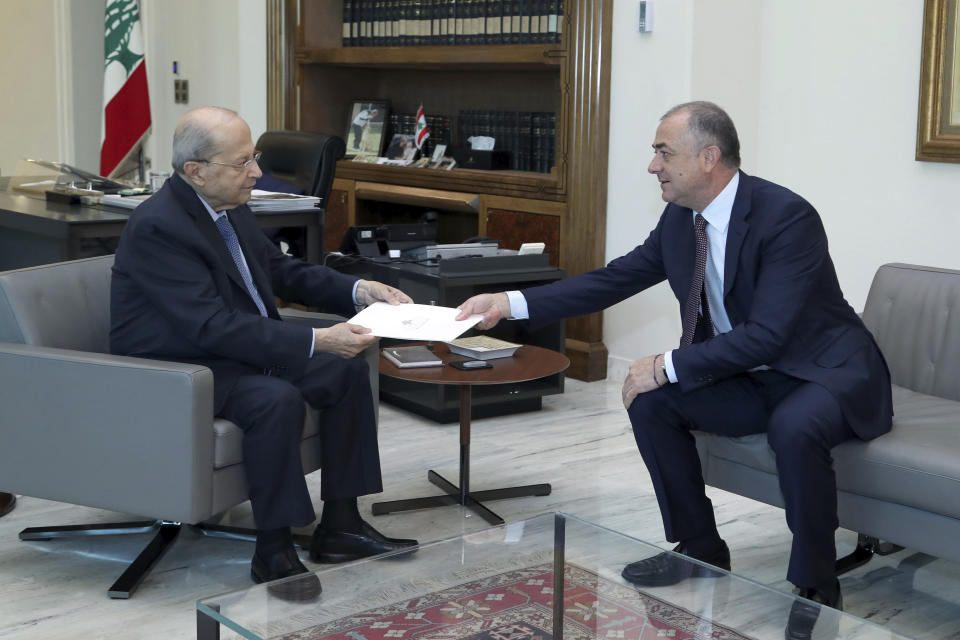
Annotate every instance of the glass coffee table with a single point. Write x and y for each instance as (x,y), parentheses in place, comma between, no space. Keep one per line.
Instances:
(551,576)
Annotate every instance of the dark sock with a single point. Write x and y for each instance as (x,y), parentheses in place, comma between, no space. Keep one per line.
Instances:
(703,547)
(341,515)
(271,541)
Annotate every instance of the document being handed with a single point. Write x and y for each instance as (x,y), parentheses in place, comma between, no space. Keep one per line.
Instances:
(413,321)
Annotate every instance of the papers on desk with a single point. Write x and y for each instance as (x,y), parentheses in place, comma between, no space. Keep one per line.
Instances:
(124,202)
(275,201)
(413,321)
(261,201)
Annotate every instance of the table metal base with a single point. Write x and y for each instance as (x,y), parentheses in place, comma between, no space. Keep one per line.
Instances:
(462,495)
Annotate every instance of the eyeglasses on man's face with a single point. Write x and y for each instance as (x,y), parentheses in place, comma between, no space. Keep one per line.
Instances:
(243,166)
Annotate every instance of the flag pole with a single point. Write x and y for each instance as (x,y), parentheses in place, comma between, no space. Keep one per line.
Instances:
(140,167)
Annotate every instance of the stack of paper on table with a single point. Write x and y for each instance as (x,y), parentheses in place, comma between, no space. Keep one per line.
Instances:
(483,347)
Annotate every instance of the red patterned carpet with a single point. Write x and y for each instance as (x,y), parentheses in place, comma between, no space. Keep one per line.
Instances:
(516,605)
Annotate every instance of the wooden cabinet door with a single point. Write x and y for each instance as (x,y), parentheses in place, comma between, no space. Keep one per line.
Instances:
(513,228)
(337,220)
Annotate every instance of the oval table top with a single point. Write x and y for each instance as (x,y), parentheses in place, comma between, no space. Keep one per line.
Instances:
(527,363)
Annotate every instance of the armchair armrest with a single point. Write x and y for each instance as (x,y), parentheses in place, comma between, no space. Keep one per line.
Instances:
(119,433)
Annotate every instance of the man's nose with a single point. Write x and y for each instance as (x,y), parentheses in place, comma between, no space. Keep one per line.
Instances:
(256,170)
(654,165)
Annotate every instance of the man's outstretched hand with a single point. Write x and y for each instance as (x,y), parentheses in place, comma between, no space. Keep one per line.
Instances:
(345,340)
(370,291)
(493,306)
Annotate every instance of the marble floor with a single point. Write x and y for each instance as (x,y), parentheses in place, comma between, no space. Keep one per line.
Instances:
(580,442)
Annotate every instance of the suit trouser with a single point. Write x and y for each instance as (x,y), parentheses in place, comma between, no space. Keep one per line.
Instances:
(270,411)
(803,422)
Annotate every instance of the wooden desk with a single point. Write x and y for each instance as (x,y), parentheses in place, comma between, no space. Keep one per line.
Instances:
(34,231)
(527,363)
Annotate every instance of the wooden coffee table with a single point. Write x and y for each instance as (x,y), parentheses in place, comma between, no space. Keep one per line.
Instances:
(527,363)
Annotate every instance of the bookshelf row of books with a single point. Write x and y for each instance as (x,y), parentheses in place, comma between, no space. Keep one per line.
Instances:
(397,23)
(528,136)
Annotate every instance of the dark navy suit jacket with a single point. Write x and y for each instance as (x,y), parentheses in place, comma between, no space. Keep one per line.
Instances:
(780,292)
(177,295)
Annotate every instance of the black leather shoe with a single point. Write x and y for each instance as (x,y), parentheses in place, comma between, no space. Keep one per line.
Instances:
(665,569)
(340,546)
(283,565)
(804,622)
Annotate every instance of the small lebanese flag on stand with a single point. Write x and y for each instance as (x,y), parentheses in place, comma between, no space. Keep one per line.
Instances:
(423,132)
(126,103)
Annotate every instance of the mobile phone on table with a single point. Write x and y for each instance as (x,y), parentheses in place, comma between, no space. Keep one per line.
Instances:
(470,365)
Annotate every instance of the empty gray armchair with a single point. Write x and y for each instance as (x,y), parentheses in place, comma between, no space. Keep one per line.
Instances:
(131,435)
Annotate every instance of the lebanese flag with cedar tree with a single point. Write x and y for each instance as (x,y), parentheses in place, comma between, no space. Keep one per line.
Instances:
(422,131)
(126,102)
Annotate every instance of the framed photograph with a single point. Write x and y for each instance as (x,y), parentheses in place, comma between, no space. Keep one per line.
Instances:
(938,119)
(365,128)
(402,147)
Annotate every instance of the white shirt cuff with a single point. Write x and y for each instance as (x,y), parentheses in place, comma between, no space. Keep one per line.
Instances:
(354,293)
(668,364)
(518,306)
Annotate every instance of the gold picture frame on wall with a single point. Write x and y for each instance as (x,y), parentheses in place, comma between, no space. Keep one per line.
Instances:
(938,118)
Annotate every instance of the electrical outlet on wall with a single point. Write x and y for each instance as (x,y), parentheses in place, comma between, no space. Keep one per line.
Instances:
(181,91)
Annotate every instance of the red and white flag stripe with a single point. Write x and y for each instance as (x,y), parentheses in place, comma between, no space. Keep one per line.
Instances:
(423,132)
(126,101)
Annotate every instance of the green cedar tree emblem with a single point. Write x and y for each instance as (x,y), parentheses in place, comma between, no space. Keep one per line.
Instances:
(120,18)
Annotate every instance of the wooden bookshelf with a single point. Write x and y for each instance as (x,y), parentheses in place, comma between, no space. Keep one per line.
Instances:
(313,81)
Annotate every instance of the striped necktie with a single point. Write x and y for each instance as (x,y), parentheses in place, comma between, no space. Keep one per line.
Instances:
(697,297)
(233,245)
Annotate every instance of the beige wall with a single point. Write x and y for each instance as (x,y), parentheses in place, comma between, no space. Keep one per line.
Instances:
(825,105)
(53,72)
(29,77)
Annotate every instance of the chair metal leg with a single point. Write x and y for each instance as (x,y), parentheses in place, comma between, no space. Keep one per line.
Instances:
(246,534)
(130,579)
(7,502)
(867,547)
(134,574)
(78,530)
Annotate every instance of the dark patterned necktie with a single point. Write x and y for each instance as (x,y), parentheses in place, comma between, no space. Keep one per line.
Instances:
(697,297)
(233,245)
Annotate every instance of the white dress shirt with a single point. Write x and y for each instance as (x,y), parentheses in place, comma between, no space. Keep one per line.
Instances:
(717,215)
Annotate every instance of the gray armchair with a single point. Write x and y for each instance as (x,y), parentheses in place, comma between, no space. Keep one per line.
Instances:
(126,434)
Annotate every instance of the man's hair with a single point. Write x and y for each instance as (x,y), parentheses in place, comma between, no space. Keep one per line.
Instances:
(710,125)
(194,138)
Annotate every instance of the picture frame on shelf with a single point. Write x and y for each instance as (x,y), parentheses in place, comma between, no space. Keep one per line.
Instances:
(938,116)
(402,147)
(366,126)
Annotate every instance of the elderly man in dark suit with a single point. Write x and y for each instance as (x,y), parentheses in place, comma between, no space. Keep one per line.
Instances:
(194,281)
(769,345)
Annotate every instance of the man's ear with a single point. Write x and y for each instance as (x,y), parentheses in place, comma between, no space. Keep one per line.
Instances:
(194,171)
(711,156)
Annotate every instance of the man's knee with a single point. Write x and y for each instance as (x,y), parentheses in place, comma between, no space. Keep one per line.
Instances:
(282,398)
(648,409)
